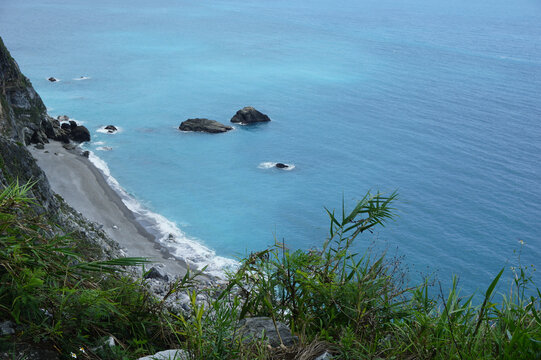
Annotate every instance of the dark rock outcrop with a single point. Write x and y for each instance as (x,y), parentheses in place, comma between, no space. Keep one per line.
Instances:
(281,166)
(155,273)
(23,116)
(249,115)
(204,125)
(80,134)
(52,79)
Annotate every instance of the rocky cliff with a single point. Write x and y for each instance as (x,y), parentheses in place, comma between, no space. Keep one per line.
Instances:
(23,121)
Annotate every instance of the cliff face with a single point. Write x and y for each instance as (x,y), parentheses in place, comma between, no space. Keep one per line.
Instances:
(23,116)
(23,121)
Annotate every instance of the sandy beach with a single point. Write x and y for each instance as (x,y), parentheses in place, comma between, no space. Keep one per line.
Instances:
(83,186)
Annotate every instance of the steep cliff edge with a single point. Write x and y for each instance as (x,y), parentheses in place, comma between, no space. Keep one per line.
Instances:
(23,116)
(23,121)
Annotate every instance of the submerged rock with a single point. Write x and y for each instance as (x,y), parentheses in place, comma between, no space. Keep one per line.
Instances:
(204,125)
(249,115)
(110,129)
(52,79)
(281,166)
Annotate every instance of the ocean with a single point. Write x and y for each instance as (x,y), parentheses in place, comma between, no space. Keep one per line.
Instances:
(438,100)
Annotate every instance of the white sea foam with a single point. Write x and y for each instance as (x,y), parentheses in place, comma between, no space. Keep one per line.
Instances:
(103,130)
(104,148)
(99,143)
(195,254)
(270,165)
(82,78)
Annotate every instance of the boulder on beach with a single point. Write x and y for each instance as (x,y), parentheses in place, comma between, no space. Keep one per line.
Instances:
(204,125)
(249,115)
(80,134)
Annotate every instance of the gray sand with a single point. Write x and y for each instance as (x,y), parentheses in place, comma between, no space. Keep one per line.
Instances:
(82,186)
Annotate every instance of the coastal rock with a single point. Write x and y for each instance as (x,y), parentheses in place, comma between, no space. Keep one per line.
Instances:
(111,128)
(40,146)
(281,166)
(65,126)
(52,79)
(249,115)
(263,327)
(204,125)
(73,124)
(63,118)
(80,134)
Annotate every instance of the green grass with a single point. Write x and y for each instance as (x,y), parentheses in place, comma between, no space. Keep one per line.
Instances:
(352,305)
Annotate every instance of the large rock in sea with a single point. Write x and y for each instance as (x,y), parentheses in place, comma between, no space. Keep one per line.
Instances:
(249,115)
(204,125)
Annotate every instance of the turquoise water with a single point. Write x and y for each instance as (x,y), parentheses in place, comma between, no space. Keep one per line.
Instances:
(438,99)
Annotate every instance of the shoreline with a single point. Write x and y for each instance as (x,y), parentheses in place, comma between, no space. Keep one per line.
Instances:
(84,187)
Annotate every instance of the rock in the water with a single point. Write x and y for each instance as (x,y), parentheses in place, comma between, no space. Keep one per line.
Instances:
(249,115)
(281,166)
(155,273)
(86,154)
(52,79)
(204,125)
(167,355)
(255,328)
(80,134)
(73,124)
(111,128)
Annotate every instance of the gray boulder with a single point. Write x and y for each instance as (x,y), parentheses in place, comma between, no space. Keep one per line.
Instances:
(204,125)
(167,355)
(263,327)
(249,115)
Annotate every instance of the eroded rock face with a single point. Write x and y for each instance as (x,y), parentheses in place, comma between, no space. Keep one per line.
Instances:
(249,115)
(204,125)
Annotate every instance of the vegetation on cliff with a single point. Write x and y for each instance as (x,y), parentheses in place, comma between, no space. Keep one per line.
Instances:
(354,306)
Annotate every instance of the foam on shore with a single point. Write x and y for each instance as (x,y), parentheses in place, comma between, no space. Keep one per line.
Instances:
(167,233)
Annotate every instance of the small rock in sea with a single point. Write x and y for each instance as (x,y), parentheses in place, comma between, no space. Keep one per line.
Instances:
(52,79)
(86,154)
(249,115)
(111,129)
(170,237)
(281,166)
(40,146)
(204,125)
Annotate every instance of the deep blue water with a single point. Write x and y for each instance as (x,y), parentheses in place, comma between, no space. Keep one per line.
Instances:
(438,99)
